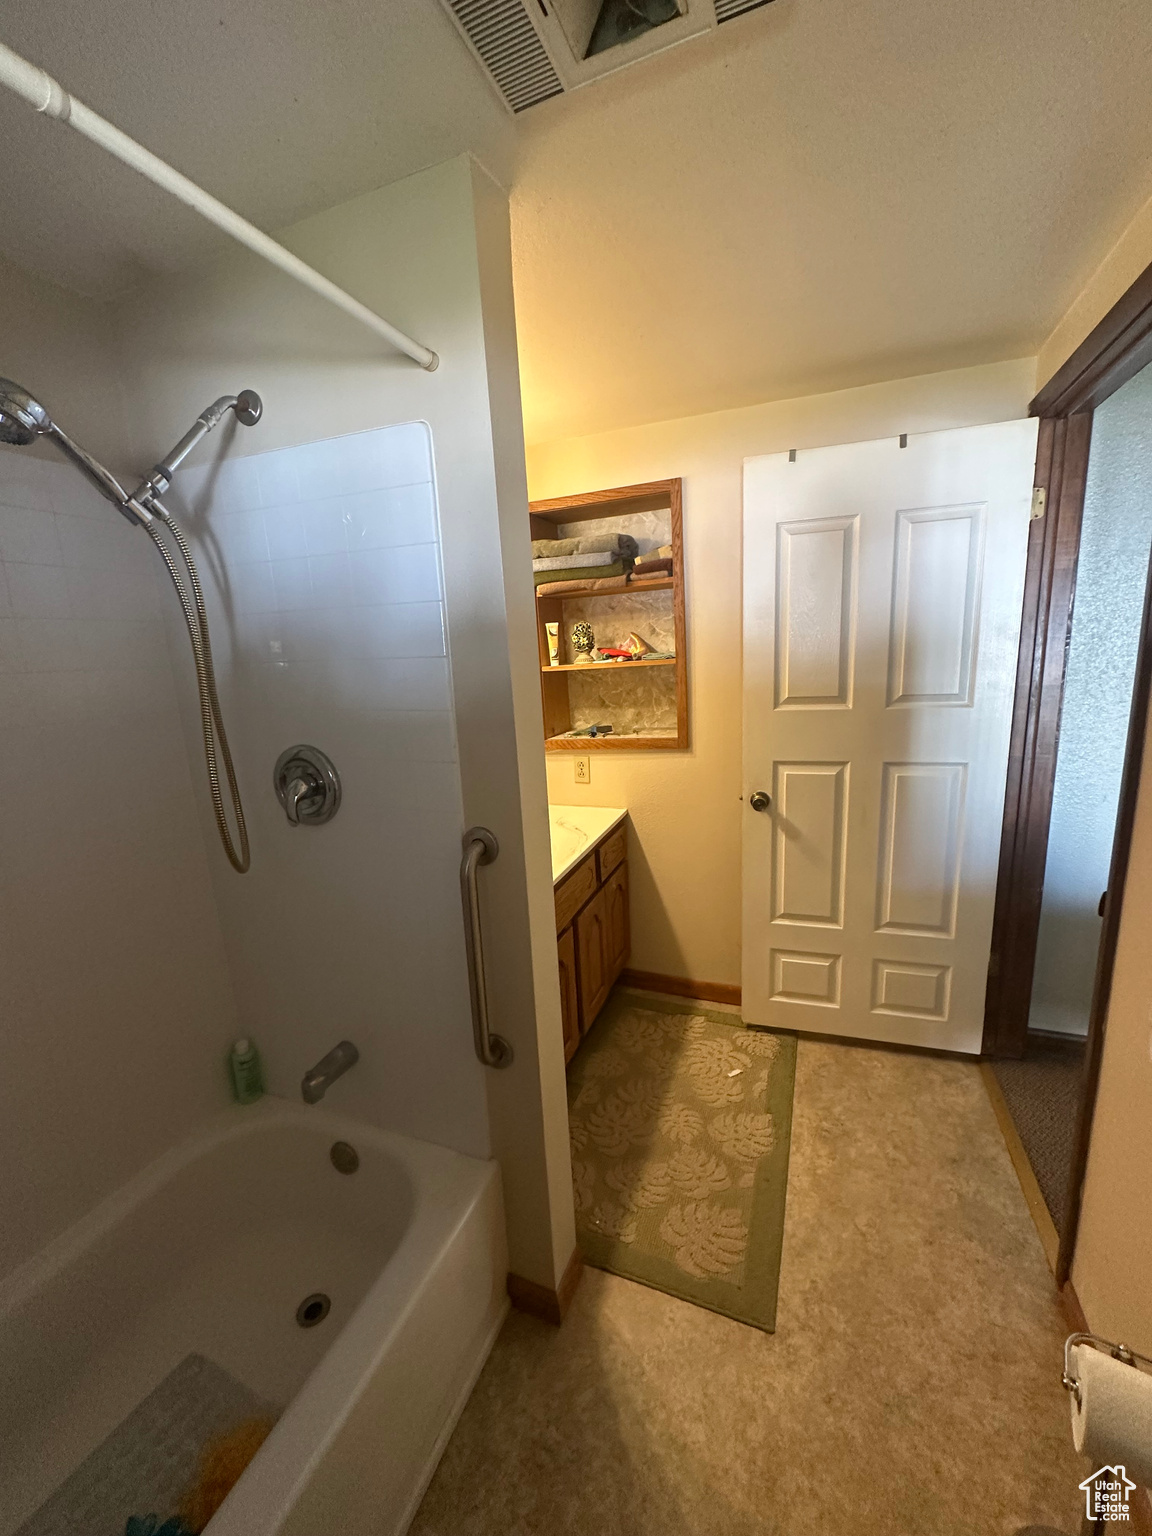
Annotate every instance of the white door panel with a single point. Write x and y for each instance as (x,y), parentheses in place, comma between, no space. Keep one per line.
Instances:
(882,596)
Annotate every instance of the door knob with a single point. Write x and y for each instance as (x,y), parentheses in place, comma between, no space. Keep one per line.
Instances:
(759,800)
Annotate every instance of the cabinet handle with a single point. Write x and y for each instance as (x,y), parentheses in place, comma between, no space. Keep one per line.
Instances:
(480,847)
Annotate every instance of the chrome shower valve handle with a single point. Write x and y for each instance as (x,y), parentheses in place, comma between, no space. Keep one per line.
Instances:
(307,786)
(297,792)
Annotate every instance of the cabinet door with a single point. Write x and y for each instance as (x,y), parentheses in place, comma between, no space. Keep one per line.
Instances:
(619,939)
(592,957)
(569,1005)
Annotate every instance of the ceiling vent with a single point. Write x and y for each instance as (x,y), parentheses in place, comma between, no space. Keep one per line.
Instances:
(727,9)
(509,47)
(535,49)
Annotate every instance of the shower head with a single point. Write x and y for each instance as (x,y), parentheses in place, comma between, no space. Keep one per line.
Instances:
(22,419)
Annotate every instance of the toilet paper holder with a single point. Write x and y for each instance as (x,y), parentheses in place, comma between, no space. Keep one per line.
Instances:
(1117,1351)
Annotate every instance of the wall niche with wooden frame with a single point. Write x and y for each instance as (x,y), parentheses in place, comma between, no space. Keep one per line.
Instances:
(644,701)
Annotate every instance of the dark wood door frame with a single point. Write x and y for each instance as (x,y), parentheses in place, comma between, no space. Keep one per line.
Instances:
(1046,623)
(1115,351)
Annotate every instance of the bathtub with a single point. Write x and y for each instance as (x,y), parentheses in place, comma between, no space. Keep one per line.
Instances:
(210,1250)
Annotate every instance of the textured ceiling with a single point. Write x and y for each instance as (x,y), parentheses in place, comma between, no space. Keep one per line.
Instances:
(278,107)
(828,192)
(822,193)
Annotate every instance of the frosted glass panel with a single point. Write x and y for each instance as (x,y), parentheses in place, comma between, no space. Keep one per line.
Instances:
(1110,580)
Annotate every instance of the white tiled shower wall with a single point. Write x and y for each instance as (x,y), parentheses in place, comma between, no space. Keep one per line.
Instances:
(322,577)
(116,1005)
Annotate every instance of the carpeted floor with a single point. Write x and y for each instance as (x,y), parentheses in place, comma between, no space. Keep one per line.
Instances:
(679,1118)
(1042,1093)
(912,1386)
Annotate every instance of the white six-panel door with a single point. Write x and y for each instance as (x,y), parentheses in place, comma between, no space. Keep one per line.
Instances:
(882,596)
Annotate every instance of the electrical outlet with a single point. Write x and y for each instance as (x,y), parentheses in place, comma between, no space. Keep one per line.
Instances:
(583,766)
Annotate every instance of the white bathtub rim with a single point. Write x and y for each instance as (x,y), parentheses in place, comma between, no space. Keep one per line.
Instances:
(288,1460)
(68,1246)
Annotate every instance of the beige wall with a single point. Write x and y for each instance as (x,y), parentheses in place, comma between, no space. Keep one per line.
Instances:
(1112,1271)
(685,806)
(1114,276)
(60,348)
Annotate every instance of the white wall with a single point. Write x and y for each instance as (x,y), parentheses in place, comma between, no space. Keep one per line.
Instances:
(685,806)
(431,254)
(117,1009)
(322,577)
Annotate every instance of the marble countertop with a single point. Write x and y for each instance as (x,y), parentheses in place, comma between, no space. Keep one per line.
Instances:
(575,829)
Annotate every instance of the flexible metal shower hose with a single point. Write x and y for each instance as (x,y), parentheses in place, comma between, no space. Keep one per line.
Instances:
(211,720)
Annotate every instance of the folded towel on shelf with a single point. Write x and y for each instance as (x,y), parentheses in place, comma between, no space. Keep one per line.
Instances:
(650,567)
(663,553)
(579,575)
(575,562)
(565,588)
(588,544)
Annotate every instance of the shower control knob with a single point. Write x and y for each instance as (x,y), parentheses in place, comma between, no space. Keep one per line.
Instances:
(307,786)
(759,800)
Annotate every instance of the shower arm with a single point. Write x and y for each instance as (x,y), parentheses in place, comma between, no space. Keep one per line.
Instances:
(248,408)
(48,96)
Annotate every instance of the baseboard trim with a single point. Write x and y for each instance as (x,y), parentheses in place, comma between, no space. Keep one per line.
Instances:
(538,1300)
(1038,1210)
(1073,1311)
(680,986)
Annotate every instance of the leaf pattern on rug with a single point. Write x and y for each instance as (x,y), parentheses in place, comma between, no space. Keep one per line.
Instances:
(760,1043)
(742,1134)
(679,1123)
(696,1172)
(715,1070)
(708,1239)
(669,1122)
(588,1095)
(625,1118)
(609,1062)
(583,1185)
(640,1184)
(615,1221)
(640,1032)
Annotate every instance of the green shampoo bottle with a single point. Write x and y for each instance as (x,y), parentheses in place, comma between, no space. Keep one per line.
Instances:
(247,1073)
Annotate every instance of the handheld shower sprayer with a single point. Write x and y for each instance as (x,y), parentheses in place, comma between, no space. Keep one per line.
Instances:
(22,420)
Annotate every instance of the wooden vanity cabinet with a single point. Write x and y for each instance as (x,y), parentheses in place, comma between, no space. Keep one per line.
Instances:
(592,934)
(569,996)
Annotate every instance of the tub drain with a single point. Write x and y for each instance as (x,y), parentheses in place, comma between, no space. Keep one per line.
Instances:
(313,1309)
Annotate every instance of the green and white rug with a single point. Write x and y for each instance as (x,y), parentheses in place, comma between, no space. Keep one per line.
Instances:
(680,1120)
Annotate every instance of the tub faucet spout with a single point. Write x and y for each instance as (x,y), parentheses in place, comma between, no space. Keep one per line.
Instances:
(317,1081)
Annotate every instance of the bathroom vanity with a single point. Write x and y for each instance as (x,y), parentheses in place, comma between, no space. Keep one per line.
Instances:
(590,878)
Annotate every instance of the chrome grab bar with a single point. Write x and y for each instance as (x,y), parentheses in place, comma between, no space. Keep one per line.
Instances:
(480,847)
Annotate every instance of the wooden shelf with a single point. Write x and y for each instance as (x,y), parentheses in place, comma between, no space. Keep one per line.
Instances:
(626,501)
(612,742)
(657,584)
(610,666)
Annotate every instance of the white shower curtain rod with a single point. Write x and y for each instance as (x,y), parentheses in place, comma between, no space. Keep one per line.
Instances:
(48,96)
